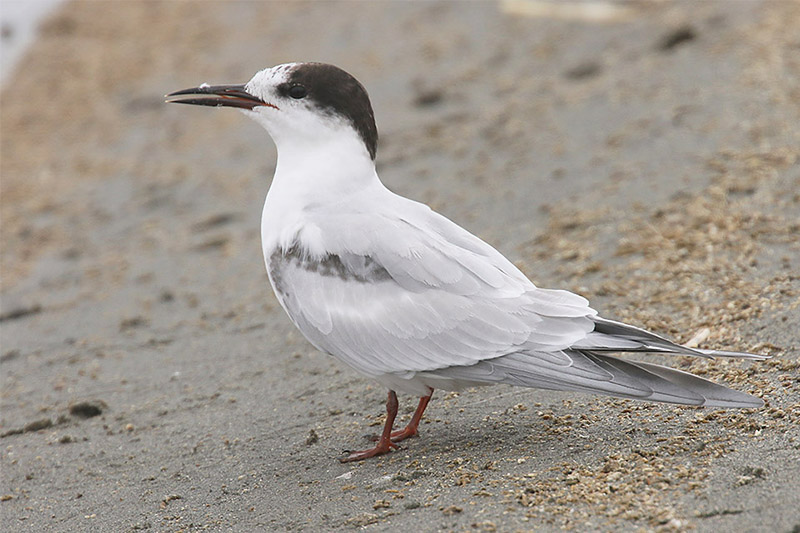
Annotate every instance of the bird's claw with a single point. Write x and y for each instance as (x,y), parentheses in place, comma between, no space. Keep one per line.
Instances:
(380,449)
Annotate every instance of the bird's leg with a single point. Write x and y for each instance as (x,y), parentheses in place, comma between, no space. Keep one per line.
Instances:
(411,429)
(385,443)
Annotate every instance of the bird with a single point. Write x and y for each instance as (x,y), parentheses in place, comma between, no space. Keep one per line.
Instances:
(407,297)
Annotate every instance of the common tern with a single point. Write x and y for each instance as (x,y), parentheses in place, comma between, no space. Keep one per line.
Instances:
(402,294)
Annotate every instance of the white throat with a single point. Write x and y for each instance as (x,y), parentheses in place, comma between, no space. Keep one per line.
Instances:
(313,172)
(332,163)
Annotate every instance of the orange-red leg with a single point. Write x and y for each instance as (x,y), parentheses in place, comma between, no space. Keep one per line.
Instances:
(385,443)
(411,429)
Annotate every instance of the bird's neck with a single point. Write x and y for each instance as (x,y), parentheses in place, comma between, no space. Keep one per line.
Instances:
(327,167)
(311,176)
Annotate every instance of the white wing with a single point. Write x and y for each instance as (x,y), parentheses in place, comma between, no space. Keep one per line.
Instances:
(404,294)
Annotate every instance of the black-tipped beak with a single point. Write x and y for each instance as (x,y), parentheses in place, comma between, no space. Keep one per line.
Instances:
(217,96)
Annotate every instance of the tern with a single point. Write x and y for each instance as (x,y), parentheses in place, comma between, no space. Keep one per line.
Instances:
(407,297)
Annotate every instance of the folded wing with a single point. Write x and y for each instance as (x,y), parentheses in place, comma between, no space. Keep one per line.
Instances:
(399,299)
(429,301)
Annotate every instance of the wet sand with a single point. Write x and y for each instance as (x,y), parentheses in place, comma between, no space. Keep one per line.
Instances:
(150,381)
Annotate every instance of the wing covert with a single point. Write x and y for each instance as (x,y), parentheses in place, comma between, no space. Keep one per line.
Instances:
(418,302)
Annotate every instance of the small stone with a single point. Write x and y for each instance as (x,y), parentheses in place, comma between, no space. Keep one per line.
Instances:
(428,97)
(88,409)
(677,37)
(9,355)
(381,481)
(588,69)
(131,323)
(363,519)
(36,425)
(381,504)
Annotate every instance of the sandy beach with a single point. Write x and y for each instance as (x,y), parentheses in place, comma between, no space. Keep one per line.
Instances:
(643,154)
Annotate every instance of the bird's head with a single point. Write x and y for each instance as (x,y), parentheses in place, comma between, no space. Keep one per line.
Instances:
(299,104)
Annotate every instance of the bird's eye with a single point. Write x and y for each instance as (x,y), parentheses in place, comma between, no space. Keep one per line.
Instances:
(297,92)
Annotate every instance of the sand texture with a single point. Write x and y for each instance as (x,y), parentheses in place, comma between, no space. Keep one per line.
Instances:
(645,155)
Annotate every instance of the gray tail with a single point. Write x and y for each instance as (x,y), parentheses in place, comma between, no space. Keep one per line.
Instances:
(588,367)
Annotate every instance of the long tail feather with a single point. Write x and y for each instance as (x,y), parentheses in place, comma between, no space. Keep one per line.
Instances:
(614,377)
(587,367)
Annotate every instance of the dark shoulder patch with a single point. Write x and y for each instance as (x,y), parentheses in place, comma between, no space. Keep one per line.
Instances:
(349,267)
(335,91)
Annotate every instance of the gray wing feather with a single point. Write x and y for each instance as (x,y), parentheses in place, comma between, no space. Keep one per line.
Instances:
(380,327)
(609,335)
(391,301)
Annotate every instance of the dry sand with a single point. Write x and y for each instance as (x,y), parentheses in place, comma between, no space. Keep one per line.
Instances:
(150,381)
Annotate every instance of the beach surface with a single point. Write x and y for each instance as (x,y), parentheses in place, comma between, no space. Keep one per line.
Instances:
(643,154)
